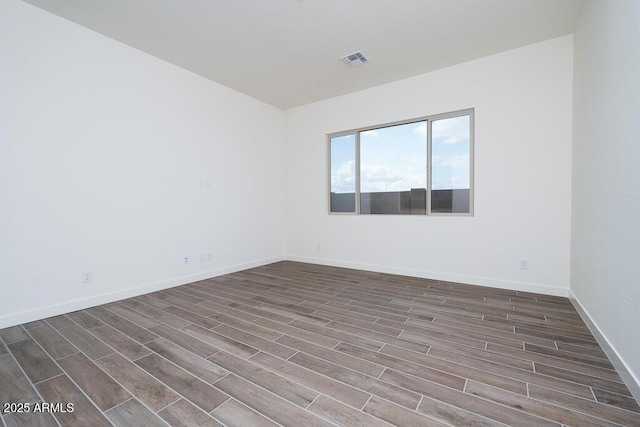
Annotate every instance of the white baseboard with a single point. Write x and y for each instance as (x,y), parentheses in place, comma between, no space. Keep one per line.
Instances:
(79,304)
(471,280)
(631,381)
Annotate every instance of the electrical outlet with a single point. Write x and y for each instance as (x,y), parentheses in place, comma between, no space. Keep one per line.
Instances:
(524,263)
(185,260)
(87,277)
(209,256)
(203,257)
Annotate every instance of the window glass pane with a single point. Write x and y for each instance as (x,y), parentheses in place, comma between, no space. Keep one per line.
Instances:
(343,173)
(450,165)
(393,161)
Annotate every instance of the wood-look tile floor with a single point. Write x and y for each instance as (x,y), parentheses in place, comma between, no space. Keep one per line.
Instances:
(306,345)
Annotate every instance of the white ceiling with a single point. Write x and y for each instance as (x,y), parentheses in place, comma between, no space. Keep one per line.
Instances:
(286,52)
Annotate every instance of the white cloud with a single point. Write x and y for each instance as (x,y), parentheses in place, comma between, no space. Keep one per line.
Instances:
(343,179)
(377,178)
(446,131)
(374,178)
(451,172)
(382,178)
(421,129)
(415,180)
(453,162)
(372,133)
(451,131)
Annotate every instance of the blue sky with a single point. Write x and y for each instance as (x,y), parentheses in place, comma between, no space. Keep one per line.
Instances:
(394,158)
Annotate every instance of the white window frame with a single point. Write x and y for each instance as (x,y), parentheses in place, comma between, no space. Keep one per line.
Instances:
(429,119)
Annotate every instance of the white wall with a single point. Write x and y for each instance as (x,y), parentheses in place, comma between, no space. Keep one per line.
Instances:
(522,100)
(605,265)
(102,152)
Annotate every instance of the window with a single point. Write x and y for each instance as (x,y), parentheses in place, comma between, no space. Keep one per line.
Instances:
(416,167)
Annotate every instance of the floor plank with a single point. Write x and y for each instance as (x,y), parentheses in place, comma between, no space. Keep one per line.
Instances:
(15,388)
(136,381)
(85,413)
(300,344)
(235,414)
(197,391)
(52,342)
(398,415)
(273,406)
(289,390)
(91,346)
(398,394)
(13,334)
(184,414)
(312,379)
(120,342)
(100,387)
(202,368)
(39,419)
(37,364)
(132,413)
(344,415)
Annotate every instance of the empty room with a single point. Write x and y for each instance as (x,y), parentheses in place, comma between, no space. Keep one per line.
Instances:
(319,212)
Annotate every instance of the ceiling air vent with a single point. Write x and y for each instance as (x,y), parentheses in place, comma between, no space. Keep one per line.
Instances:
(354,59)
